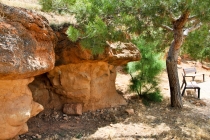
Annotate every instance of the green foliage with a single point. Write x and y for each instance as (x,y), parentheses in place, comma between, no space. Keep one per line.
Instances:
(151,97)
(46,5)
(73,33)
(197,44)
(58,6)
(144,72)
(99,21)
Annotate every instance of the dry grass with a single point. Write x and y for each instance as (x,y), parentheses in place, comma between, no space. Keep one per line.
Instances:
(28,4)
(36,7)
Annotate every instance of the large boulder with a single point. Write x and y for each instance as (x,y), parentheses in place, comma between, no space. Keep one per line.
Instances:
(26,44)
(26,50)
(91,84)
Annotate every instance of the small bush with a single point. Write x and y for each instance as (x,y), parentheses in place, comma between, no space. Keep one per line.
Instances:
(144,73)
(151,97)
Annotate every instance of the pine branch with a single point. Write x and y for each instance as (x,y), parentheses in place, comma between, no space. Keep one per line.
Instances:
(167,27)
(171,16)
(193,28)
(180,23)
(136,89)
(192,18)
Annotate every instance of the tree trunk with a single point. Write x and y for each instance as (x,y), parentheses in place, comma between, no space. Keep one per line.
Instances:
(171,64)
(171,61)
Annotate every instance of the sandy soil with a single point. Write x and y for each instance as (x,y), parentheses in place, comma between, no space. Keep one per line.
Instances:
(133,121)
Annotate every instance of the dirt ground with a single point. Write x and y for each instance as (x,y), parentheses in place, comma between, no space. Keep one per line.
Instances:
(134,121)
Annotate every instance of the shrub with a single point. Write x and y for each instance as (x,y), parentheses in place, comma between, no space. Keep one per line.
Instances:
(144,73)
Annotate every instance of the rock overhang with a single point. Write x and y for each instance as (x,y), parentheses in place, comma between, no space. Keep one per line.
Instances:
(26,44)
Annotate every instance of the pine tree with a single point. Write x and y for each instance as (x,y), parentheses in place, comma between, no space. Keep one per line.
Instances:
(144,73)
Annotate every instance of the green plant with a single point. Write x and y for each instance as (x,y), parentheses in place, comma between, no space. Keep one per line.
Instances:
(147,98)
(58,6)
(144,72)
(169,21)
(46,5)
(199,48)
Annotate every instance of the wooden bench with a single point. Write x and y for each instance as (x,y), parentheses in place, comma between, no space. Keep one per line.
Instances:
(190,85)
(191,72)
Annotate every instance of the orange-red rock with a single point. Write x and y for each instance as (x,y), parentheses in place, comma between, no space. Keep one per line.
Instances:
(91,84)
(16,107)
(72,109)
(26,50)
(117,53)
(80,77)
(26,44)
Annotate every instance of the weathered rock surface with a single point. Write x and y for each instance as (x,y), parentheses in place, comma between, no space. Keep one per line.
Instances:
(91,84)
(26,50)
(117,53)
(16,107)
(82,78)
(26,43)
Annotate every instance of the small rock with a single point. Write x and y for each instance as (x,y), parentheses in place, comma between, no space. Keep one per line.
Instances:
(56,116)
(38,136)
(73,109)
(130,111)
(22,136)
(65,118)
(65,115)
(197,104)
(55,113)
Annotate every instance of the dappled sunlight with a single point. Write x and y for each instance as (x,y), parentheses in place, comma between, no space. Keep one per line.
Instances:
(193,130)
(129,130)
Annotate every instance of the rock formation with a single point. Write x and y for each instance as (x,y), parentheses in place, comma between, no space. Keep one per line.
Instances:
(16,107)
(117,53)
(26,44)
(91,84)
(79,77)
(26,50)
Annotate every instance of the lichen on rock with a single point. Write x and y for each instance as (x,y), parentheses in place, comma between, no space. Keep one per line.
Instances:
(26,44)
(26,49)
